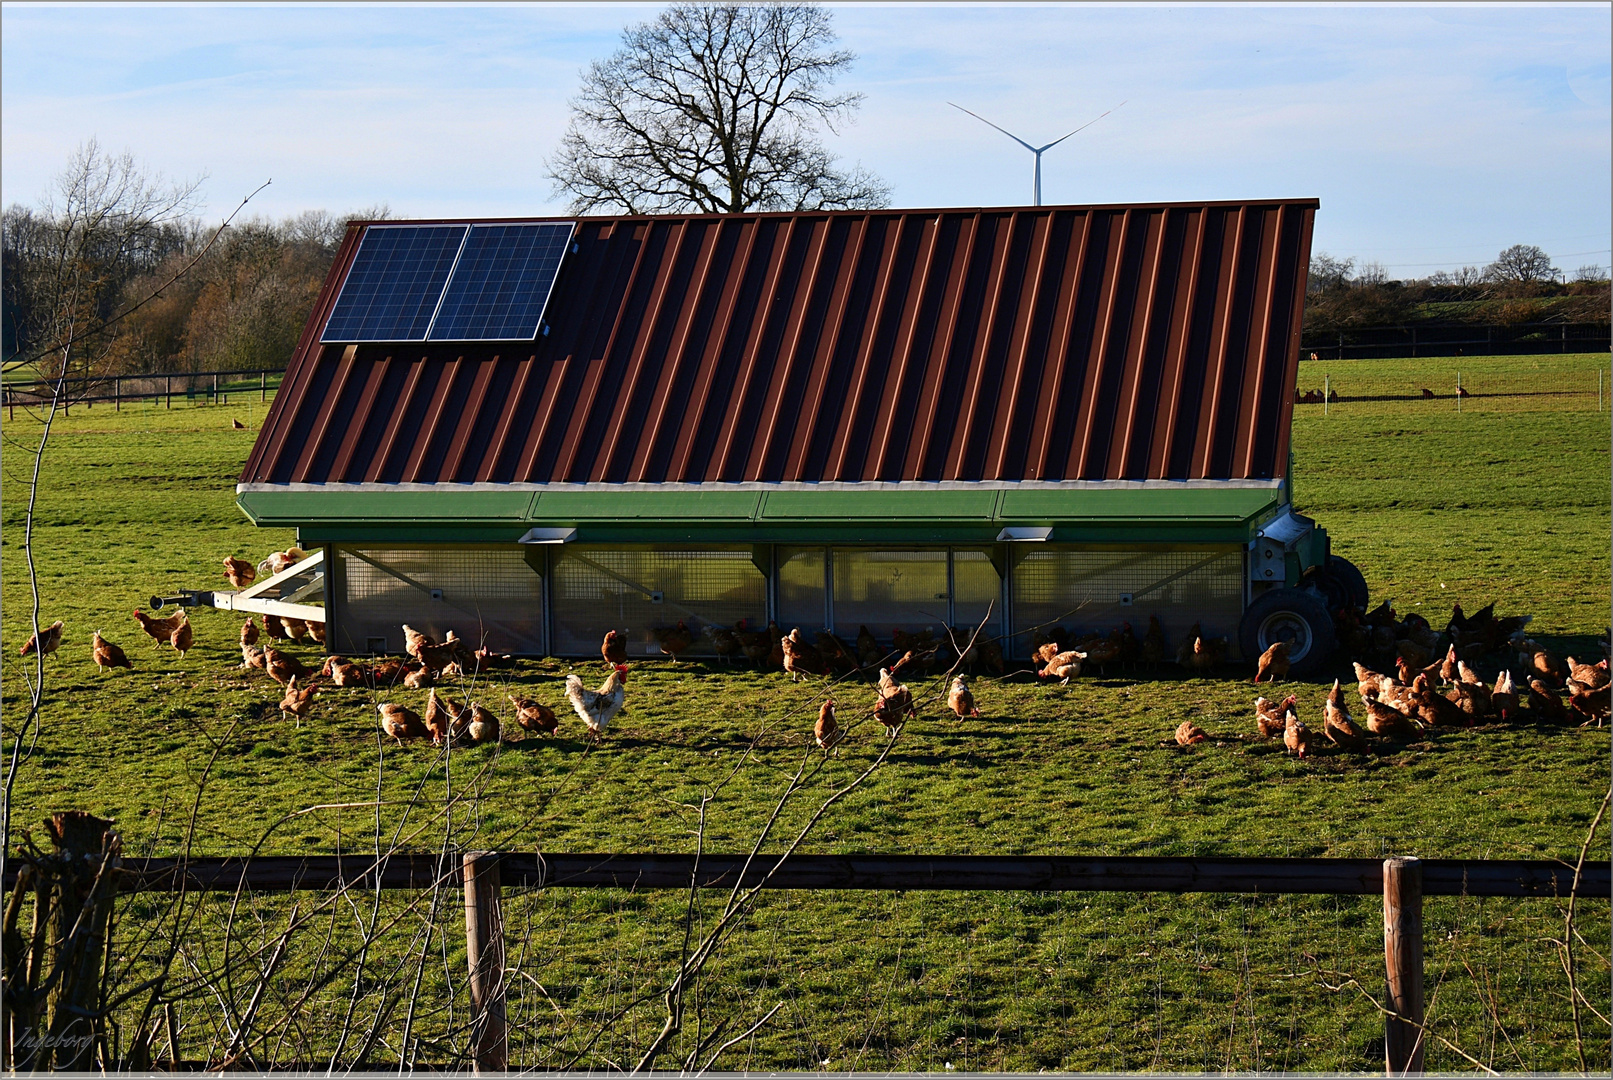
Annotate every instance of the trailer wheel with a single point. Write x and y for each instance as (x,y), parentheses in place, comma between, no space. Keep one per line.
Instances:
(1290,615)
(1345,573)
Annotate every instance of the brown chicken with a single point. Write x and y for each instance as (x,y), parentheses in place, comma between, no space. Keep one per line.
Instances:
(1544,702)
(106,654)
(1269,715)
(775,647)
(895,704)
(1369,681)
(252,657)
(1273,663)
(674,640)
(182,637)
(274,627)
(1337,725)
(482,727)
(1046,651)
(535,716)
(402,722)
(961,699)
(414,641)
(1103,652)
(1296,736)
(1063,666)
(159,630)
(283,667)
(249,633)
(384,673)
(46,641)
(800,659)
(1590,702)
(278,562)
(316,630)
(1188,733)
(1591,675)
(339,671)
(868,650)
(826,731)
(1504,696)
(299,702)
(1433,708)
(239,572)
(1201,655)
(296,629)
(436,658)
(417,676)
(724,642)
(834,651)
(1153,650)
(1543,662)
(1386,721)
(442,718)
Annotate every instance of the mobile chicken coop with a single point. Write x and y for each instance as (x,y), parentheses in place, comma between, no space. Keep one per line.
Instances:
(532,431)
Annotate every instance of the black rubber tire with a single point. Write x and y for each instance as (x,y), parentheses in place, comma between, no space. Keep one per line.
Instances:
(1291,615)
(1343,570)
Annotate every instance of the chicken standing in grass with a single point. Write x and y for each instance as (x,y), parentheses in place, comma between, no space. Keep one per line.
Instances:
(535,716)
(182,637)
(827,731)
(1386,720)
(801,659)
(598,708)
(961,700)
(414,641)
(249,633)
(1273,664)
(868,651)
(106,654)
(239,572)
(1296,736)
(1188,733)
(482,726)
(1590,702)
(895,704)
(274,627)
(1063,666)
(339,671)
(159,630)
(253,657)
(298,701)
(402,722)
(283,667)
(1202,655)
(1594,675)
(1269,715)
(674,640)
(45,641)
(1544,702)
(443,717)
(1337,724)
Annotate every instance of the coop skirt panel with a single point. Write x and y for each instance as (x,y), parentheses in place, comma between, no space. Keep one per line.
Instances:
(1097,589)
(642,590)
(489,596)
(886,590)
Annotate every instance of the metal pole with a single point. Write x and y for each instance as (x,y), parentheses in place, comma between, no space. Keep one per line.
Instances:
(117,394)
(216,399)
(168,388)
(263,386)
(484,953)
(1403,957)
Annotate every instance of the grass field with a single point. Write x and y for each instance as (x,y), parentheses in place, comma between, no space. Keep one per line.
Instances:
(1507,500)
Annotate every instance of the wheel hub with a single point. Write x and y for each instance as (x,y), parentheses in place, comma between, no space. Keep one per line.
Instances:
(1286,626)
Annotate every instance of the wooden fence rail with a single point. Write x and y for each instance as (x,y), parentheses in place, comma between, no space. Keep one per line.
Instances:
(1402,883)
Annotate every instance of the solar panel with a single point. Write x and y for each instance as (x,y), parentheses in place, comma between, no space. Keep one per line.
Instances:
(502,282)
(395,283)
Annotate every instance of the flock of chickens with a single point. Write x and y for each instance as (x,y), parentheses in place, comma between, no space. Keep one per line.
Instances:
(1429,691)
(1434,684)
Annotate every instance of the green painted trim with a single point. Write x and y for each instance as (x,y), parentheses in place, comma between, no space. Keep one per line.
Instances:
(753,517)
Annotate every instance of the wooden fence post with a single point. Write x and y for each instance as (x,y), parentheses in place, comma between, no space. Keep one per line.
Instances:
(263,386)
(1403,956)
(484,949)
(168,389)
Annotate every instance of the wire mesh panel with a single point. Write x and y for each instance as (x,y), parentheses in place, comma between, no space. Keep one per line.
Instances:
(890,590)
(490,596)
(976,589)
(1096,589)
(801,583)
(641,590)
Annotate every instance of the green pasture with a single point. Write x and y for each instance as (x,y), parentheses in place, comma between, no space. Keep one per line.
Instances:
(1506,500)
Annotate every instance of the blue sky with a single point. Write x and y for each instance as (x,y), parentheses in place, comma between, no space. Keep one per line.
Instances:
(1434,136)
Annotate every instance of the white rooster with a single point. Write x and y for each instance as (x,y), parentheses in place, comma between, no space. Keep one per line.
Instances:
(598,707)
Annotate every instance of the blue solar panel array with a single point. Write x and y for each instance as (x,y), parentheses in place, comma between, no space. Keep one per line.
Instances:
(449,283)
(502,282)
(396,280)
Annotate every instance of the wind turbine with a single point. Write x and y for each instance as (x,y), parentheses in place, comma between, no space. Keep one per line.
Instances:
(1036,188)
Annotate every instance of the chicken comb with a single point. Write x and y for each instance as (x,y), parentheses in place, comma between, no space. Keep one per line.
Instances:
(621,669)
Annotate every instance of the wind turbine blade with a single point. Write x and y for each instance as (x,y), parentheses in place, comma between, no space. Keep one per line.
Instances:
(1005,131)
(1083,127)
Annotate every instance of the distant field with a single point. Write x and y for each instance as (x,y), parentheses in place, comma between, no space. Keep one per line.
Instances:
(1507,501)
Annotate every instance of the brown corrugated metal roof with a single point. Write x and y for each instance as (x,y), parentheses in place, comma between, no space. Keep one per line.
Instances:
(1048,343)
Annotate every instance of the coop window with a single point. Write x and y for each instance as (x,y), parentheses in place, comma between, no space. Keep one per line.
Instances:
(640,589)
(487,596)
(1082,589)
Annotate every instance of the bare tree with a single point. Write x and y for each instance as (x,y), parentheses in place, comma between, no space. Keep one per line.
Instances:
(714,107)
(1523,264)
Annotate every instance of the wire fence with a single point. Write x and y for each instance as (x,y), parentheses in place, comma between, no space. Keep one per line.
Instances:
(159,389)
(1575,383)
(1454,339)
